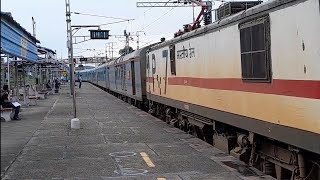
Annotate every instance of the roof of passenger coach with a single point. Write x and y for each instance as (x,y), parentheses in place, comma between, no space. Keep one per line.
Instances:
(84,70)
(101,66)
(241,16)
(130,56)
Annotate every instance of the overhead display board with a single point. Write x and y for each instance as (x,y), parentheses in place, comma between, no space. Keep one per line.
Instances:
(99,34)
(83,59)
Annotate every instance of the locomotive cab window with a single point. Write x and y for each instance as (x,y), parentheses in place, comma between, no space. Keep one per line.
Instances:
(153,64)
(148,63)
(255,50)
(173,59)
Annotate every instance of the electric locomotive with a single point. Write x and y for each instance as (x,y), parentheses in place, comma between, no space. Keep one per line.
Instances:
(248,84)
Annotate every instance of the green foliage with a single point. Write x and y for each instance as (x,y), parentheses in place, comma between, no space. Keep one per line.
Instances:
(124,51)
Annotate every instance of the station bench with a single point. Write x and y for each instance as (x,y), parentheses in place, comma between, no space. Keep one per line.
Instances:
(50,91)
(32,100)
(42,94)
(6,113)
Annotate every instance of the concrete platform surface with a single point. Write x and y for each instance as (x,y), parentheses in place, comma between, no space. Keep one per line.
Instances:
(116,141)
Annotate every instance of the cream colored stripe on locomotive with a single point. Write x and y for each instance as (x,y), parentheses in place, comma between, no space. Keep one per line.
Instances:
(301,113)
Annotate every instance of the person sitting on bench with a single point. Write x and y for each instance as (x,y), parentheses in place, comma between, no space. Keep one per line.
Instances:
(48,86)
(5,103)
(5,89)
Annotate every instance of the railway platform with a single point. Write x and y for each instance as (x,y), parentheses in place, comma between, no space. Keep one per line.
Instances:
(116,141)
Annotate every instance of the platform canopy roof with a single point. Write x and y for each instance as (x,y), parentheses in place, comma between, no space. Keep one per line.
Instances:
(16,41)
(44,50)
(46,55)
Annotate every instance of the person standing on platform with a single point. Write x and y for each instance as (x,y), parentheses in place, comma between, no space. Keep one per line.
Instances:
(56,85)
(80,81)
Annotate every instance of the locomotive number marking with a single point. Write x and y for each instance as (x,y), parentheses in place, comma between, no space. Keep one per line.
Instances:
(186,52)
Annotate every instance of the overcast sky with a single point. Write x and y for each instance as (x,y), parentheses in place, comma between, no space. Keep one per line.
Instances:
(51,22)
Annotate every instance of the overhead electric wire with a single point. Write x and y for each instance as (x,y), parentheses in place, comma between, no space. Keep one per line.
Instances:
(144,13)
(157,19)
(115,22)
(154,6)
(80,52)
(146,43)
(88,49)
(94,15)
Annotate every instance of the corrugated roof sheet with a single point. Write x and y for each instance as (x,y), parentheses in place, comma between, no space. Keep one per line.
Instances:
(44,50)
(8,16)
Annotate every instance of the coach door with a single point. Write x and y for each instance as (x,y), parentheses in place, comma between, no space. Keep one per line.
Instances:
(165,56)
(116,75)
(107,78)
(153,63)
(148,74)
(96,77)
(123,76)
(133,78)
(173,68)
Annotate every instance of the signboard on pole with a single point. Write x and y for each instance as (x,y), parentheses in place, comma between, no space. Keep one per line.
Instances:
(99,34)
(83,59)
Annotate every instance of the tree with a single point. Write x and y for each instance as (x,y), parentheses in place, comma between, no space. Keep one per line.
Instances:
(125,50)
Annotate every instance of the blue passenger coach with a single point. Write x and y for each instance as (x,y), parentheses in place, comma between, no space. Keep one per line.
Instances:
(125,76)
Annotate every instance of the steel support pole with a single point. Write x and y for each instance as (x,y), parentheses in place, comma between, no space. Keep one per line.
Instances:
(137,40)
(16,78)
(8,63)
(70,53)
(24,84)
(111,50)
(36,74)
(193,12)
(40,78)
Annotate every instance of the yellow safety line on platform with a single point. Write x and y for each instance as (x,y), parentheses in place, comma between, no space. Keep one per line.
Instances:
(161,179)
(147,159)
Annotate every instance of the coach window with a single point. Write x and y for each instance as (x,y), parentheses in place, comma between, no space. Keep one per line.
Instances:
(255,48)
(173,59)
(153,64)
